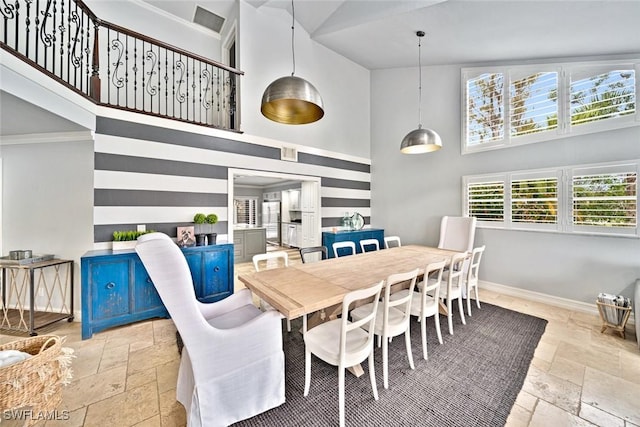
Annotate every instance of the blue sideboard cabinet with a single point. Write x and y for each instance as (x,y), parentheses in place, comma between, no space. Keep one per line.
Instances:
(330,237)
(117,290)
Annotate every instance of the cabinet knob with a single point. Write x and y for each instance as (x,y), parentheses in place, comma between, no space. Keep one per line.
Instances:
(110,285)
(216,269)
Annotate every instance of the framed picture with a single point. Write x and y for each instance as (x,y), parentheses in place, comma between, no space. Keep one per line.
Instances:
(186,236)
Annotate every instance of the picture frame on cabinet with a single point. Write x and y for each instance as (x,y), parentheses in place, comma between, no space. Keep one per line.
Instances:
(186,236)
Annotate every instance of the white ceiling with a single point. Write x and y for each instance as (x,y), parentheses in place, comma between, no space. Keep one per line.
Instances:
(381,34)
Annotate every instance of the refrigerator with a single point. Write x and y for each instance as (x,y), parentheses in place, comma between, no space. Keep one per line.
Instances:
(271,222)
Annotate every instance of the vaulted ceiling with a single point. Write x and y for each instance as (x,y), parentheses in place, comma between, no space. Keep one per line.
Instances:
(380,34)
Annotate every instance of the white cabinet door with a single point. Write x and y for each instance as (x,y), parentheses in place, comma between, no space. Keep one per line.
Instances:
(299,242)
(309,197)
(310,233)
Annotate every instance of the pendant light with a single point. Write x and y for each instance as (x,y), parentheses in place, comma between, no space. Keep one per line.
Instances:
(420,140)
(292,100)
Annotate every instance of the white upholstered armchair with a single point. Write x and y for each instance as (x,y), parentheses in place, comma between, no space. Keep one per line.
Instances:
(232,364)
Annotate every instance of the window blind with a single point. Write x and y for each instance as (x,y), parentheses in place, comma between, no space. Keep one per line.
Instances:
(485,108)
(534,201)
(533,104)
(605,199)
(486,200)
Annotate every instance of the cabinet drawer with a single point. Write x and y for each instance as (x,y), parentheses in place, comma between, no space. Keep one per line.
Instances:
(109,284)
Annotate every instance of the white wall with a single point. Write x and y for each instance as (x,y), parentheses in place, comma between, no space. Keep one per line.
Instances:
(265,55)
(47,200)
(411,193)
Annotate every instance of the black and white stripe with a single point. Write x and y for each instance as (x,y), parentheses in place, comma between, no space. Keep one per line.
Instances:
(160,177)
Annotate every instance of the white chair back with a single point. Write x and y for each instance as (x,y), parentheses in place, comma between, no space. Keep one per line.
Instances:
(343,245)
(472,276)
(277,257)
(368,243)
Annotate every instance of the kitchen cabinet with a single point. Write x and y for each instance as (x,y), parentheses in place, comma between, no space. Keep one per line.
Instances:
(117,290)
(248,242)
(330,237)
(273,196)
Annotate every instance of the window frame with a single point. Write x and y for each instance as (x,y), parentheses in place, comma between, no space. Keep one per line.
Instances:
(564,176)
(564,128)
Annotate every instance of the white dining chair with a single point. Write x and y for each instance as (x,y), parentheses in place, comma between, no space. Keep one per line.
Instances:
(351,246)
(275,259)
(471,281)
(453,289)
(232,363)
(392,318)
(426,304)
(392,242)
(371,244)
(343,343)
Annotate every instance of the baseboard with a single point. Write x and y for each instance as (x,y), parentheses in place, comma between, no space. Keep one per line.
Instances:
(555,301)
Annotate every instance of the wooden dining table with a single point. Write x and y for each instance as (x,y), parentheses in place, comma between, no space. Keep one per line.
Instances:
(320,287)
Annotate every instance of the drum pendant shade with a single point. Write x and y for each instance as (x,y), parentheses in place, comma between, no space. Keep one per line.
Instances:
(292,100)
(420,140)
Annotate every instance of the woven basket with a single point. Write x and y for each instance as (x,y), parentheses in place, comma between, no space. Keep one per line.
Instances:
(35,381)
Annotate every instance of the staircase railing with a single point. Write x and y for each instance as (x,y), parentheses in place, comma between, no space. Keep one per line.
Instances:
(117,67)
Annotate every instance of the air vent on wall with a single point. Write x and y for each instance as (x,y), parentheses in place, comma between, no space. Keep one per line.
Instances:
(208,19)
(289,153)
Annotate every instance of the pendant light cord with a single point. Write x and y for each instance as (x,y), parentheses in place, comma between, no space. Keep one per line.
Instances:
(419,84)
(293,51)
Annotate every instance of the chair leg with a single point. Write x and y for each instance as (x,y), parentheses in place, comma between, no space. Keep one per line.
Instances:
(341,394)
(477,296)
(307,372)
(437,319)
(407,341)
(461,310)
(372,376)
(385,362)
(449,316)
(423,334)
(469,302)
(288,325)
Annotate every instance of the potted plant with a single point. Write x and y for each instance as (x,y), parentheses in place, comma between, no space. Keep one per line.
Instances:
(200,220)
(126,239)
(211,219)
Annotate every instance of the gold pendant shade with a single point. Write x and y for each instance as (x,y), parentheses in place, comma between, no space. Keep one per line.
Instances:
(293,101)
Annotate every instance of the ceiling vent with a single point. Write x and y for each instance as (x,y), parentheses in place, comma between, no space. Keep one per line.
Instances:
(208,19)
(289,154)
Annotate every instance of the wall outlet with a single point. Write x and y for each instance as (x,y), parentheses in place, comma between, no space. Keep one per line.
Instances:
(142,227)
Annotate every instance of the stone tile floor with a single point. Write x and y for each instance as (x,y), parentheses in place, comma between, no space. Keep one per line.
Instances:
(127,376)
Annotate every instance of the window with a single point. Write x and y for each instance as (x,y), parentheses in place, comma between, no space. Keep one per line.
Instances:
(486,200)
(604,197)
(598,199)
(245,211)
(506,106)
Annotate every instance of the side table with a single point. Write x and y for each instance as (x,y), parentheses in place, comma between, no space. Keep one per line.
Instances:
(51,281)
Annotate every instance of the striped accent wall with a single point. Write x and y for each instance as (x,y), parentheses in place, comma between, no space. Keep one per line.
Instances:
(160,177)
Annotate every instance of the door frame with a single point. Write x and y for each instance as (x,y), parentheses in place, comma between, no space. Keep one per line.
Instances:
(232,172)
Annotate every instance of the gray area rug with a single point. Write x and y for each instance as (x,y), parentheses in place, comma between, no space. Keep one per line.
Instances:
(473,379)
